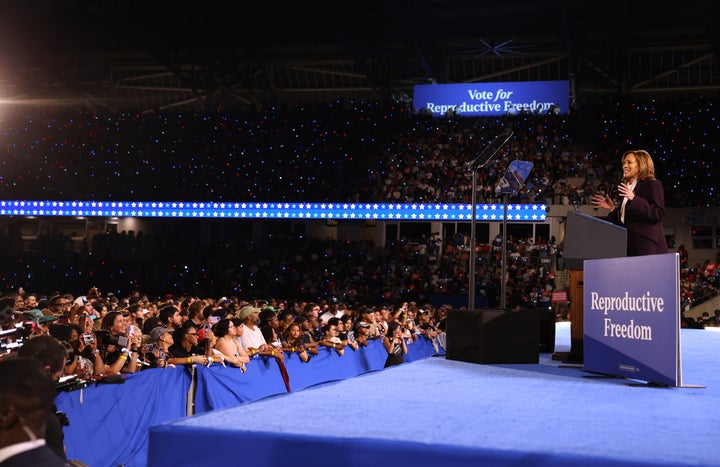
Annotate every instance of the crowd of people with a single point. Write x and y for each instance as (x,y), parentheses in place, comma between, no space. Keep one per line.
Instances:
(344,151)
(106,335)
(333,294)
(424,269)
(350,151)
(93,336)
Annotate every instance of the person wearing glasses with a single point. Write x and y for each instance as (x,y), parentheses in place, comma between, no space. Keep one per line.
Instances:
(185,349)
(58,306)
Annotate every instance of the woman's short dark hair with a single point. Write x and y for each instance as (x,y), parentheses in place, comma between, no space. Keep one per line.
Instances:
(222,327)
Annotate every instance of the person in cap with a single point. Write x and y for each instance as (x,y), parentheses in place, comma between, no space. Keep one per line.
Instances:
(362,333)
(161,338)
(252,337)
(270,326)
(27,395)
(368,316)
(41,321)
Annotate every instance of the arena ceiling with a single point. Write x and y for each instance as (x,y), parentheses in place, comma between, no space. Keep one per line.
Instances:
(150,55)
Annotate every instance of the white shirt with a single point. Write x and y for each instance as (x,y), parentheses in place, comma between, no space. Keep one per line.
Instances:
(325,317)
(15,449)
(625,200)
(252,337)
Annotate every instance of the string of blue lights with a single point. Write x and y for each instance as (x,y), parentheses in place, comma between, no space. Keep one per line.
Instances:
(280,210)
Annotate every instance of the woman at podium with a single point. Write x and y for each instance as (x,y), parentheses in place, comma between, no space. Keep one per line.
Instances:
(642,205)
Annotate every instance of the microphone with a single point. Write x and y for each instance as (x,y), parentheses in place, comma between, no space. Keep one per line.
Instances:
(490,150)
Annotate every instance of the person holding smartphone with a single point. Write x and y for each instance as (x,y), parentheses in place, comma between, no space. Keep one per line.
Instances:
(120,353)
(394,345)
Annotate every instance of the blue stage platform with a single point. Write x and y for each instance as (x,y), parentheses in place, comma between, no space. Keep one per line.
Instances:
(438,412)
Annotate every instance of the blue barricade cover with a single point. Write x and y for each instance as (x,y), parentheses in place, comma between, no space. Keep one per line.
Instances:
(109,423)
(328,365)
(219,387)
(419,349)
(371,358)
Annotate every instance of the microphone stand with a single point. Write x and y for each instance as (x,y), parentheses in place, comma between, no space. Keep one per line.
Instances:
(503,265)
(479,162)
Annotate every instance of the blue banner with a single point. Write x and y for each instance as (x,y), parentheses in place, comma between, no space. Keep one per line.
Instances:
(632,317)
(493,99)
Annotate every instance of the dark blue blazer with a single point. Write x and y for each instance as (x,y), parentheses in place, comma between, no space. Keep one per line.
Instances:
(644,217)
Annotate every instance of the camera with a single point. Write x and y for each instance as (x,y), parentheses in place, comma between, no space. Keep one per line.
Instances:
(69,383)
(149,348)
(88,339)
(105,339)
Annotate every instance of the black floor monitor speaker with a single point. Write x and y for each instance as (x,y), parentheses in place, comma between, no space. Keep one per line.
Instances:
(493,336)
(547,331)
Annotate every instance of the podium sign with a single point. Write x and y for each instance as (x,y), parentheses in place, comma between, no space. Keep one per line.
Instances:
(588,237)
(632,318)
